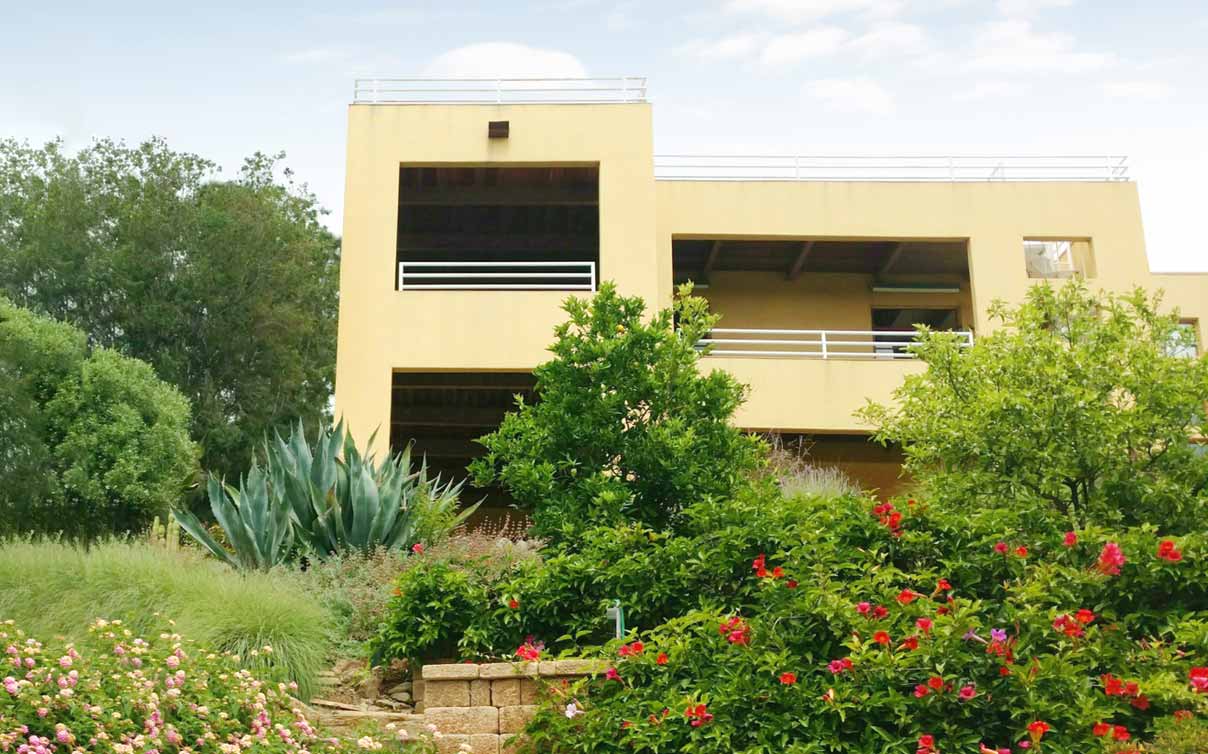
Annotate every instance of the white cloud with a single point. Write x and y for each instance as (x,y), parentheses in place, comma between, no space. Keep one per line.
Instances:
(1138,90)
(798,11)
(315,55)
(1028,7)
(790,48)
(892,39)
(496,59)
(851,95)
(1012,46)
(987,90)
(725,48)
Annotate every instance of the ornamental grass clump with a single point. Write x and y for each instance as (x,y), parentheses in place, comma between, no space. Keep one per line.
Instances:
(116,691)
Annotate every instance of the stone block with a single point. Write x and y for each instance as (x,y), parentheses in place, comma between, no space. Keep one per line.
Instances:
(507,670)
(452,672)
(480,693)
(529,691)
(479,743)
(505,692)
(447,693)
(548,667)
(463,719)
(513,719)
(579,667)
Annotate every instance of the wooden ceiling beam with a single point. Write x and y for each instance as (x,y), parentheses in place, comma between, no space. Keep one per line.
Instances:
(895,254)
(710,261)
(798,265)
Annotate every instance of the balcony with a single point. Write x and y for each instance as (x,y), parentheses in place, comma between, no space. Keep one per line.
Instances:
(816,344)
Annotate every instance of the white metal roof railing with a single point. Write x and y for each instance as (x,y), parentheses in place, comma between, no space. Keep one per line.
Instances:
(893,168)
(497,276)
(415,90)
(816,344)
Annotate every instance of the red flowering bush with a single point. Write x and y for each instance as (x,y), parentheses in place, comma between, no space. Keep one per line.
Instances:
(919,637)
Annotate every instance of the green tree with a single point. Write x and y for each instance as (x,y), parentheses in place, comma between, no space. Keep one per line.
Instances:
(1075,402)
(228,288)
(625,426)
(95,442)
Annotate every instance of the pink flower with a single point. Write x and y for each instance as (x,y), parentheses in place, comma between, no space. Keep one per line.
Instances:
(612,675)
(863,608)
(967,692)
(1070,540)
(1110,559)
(417,548)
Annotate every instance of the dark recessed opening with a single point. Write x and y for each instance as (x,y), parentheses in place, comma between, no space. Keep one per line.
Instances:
(498,129)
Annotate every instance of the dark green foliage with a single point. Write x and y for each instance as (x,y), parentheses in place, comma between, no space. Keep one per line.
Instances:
(228,288)
(1076,401)
(95,442)
(626,427)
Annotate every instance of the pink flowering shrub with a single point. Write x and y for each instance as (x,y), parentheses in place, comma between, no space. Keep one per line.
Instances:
(117,692)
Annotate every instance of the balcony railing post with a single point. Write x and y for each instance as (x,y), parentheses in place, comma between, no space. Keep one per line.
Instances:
(824,353)
(402,276)
(593,276)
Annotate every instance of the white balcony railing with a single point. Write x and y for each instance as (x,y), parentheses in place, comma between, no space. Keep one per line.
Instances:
(816,344)
(497,276)
(956,169)
(469,91)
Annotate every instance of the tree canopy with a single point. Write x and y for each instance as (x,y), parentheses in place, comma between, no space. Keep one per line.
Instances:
(227,287)
(1079,399)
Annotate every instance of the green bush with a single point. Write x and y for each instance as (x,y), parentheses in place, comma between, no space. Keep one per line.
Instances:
(99,444)
(626,427)
(53,589)
(1003,652)
(1077,400)
(118,690)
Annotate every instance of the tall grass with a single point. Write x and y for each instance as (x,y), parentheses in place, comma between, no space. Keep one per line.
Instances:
(57,589)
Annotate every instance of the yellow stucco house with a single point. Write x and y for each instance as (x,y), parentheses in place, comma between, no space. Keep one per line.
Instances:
(473,208)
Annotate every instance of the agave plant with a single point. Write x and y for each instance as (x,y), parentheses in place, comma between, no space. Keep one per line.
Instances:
(259,530)
(342,502)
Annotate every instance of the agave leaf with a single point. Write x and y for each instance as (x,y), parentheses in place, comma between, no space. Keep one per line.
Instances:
(197,531)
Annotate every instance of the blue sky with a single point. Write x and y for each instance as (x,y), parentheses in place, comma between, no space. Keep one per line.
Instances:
(769,76)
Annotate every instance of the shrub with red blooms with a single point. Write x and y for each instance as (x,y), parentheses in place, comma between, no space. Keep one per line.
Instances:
(928,641)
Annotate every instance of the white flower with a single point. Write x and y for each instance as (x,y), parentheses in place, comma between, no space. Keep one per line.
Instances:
(572,710)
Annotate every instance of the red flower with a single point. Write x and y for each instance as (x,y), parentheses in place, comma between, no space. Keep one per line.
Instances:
(527,651)
(1112,686)
(839,666)
(936,683)
(881,638)
(1120,733)
(1068,626)
(967,692)
(1167,551)
(924,625)
(631,650)
(758,564)
(514,604)
(1199,679)
(788,679)
(863,608)
(612,675)
(1101,729)
(1037,729)
(417,548)
(880,612)
(1110,559)
(1084,616)
(791,584)
(911,643)
(697,715)
(943,586)
(1001,548)
(1183,714)
(1004,671)
(907,596)
(921,691)
(1070,539)
(661,659)
(1141,702)
(777,572)
(926,742)
(894,521)
(1021,551)
(736,631)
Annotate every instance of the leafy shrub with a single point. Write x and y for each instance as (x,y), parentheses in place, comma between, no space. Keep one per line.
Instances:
(54,589)
(858,640)
(99,444)
(1076,401)
(625,427)
(114,691)
(331,500)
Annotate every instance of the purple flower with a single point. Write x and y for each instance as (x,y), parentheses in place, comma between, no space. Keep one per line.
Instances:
(971,634)
(998,634)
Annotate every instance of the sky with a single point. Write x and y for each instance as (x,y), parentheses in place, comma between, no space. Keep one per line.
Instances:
(225,79)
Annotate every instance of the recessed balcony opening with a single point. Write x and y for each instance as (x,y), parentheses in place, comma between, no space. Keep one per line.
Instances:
(443,413)
(813,458)
(498,228)
(827,298)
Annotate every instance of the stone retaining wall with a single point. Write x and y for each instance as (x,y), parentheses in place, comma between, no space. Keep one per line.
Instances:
(485,705)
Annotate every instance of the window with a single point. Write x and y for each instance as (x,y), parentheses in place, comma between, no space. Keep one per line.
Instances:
(1183,342)
(894,328)
(1057,259)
